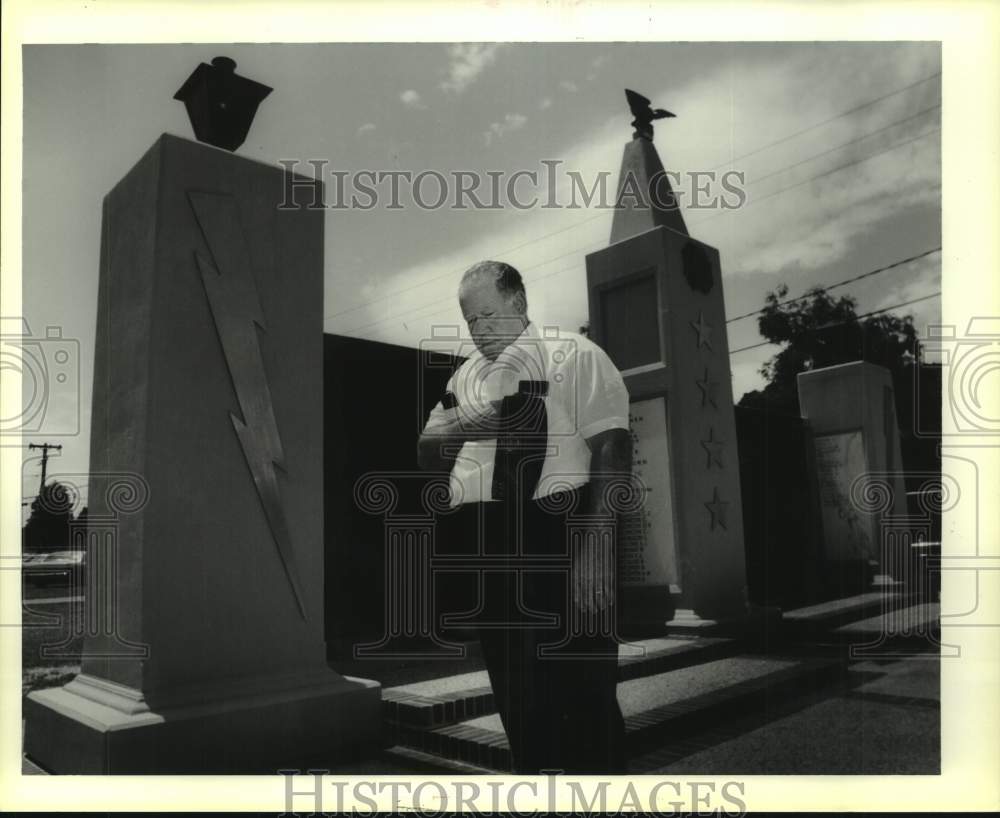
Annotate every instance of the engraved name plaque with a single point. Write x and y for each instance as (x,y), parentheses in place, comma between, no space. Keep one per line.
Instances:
(840,459)
(647,551)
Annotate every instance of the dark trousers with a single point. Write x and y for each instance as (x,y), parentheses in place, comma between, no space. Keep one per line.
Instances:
(560,711)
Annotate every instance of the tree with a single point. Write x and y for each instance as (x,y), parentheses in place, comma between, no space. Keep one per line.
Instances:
(47,528)
(819,331)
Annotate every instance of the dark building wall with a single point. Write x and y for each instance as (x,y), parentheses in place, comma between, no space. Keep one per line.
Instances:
(780,515)
(377,397)
(918,409)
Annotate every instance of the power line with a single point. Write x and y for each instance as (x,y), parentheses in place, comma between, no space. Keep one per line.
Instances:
(850,164)
(828,120)
(45,447)
(578,250)
(850,280)
(574,266)
(575,251)
(851,321)
(589,219)
(886,309)
(753,201)
(847,144)
(453,273)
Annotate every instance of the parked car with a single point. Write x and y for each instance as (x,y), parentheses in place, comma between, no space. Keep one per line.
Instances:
(63,568)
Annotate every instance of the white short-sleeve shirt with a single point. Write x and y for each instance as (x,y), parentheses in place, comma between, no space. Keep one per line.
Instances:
(586,396)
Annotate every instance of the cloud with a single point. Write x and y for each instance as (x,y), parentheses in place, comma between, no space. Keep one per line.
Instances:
(815,231)
(920,279)
(466,62)
(595,66)
(569,86)
(545,103)
(511,122)
(367,128)
(411,99)
(826,205)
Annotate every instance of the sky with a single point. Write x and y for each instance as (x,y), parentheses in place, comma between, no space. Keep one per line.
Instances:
(839,144)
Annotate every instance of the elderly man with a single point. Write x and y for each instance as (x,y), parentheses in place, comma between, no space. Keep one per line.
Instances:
(533,430)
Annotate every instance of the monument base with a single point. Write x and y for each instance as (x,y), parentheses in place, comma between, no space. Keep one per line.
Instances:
(846,578)
(687,619)
(756,621)
(642,609)
(886,581)
(92,726)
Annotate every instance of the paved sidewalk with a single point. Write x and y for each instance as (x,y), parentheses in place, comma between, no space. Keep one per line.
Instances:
(889,724)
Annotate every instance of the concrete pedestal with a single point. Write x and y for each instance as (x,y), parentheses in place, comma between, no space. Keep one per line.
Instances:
(92,726)
(203,644)
(852,418)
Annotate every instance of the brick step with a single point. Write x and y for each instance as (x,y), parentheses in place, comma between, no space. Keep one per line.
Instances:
(900,631)
(834,613)
(413,761)
(653,706)
(439,702)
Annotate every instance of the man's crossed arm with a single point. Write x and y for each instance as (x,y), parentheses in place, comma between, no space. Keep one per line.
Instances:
(440,443)
(592,579)
(592,585)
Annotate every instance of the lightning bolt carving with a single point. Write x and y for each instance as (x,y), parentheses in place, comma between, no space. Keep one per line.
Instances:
(235,304)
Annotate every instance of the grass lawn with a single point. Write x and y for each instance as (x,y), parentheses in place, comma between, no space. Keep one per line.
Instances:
(37,670)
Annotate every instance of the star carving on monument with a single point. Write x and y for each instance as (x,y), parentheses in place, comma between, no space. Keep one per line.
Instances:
(704,330)
(717,508)
(709,390)
(714,449)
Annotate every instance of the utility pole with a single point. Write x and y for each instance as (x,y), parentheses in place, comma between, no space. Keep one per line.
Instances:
(45,459)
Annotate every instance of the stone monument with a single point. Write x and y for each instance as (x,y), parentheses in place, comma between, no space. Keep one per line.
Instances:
(209,357)
(657,308)
(852,417)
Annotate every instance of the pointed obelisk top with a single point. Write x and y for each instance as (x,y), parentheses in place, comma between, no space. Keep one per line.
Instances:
(644,197)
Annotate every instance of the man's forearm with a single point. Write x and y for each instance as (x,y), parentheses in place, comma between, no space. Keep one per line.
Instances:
(439,445)
(437,452)
(610,462)
(592,570)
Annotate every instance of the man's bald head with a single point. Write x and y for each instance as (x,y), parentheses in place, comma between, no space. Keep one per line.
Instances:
(494,304)
(506,279)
